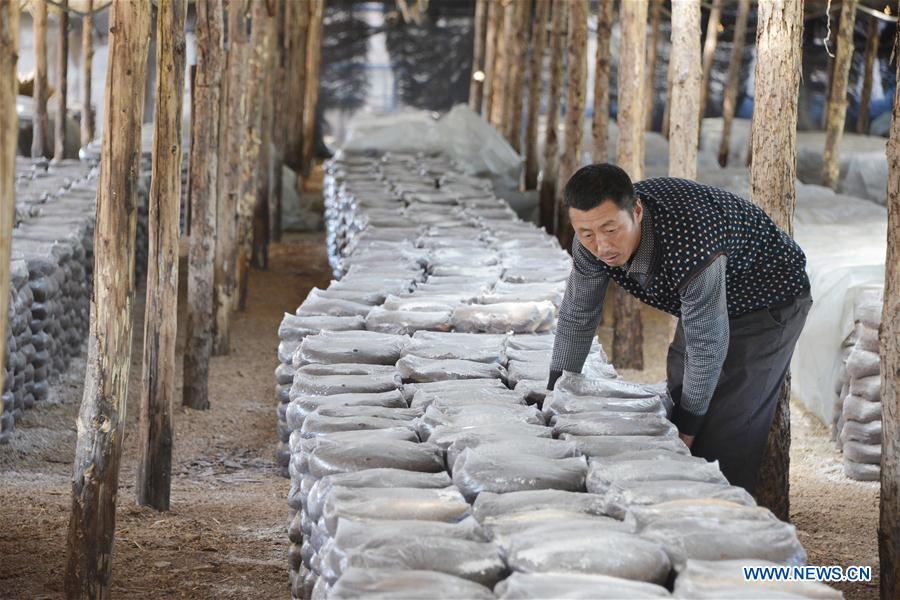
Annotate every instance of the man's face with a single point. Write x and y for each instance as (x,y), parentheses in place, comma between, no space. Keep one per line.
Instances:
(610,234)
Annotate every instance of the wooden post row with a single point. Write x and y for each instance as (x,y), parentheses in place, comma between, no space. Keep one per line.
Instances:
(476,83)
(734,71)
(600,120)
(87,59)
(313,64)
(535,78)
(837,96)
(550,173)
(40,121)
(62,85)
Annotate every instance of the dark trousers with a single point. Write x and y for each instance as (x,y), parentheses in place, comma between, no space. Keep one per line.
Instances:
(736,427)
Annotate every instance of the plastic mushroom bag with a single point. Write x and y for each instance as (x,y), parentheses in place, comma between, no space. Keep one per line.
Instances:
(390,584)
(445,504)
(610,423)
(563,403)
(501,529)
(473,415)
(574,586)
(451,385)
(581,547)
(295,328)
(718,530)
(514,444)
(465,397)
(319,425)
(518,317)
(407,321)
(650,465)
(618,497)
(580,385)
(490,505)
(611,445)
(715,579)
(330,456)
(486,348)
(421,370)
(443,436)
(367,347)
(301,406)
(383,477)
(310,382)
(333,307)
(475,472)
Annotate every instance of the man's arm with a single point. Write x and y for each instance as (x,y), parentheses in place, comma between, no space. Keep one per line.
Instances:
(704,315)
(579,313)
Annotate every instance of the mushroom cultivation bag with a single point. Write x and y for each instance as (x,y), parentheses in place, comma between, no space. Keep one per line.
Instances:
(718,530)
(476,415)
(616,498)
(514,444)
(422,370)
(517,317)
(574,586)
(407,322)
(489,504)
(610,423)
(400,584)
(486,348)
(650,465)
(330,457)
(368,347)
(610,445)
(563,403)
(475,472)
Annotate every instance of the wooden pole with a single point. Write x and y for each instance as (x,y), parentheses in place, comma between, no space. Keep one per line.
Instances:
(264,54)
(600,121)
(40,122)
(101,420)
(9,130)
(87,58)
(231,134)
(649,78)
(889,506)
(535,78)
(837,98)
(731,88)
(772,180)
(491,51)
(283,107)
(862,123)
(513,125)
(685,90)
(550,173)
(574,120)
(62,89)
(628,337)
(709,55)
(296,30)
(500,85)
(154,472)
(204,164)
(313,63)
(476,81)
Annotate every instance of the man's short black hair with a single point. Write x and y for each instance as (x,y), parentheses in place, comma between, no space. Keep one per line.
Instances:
(592,185)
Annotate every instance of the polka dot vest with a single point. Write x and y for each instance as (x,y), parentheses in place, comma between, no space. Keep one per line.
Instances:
(692,225)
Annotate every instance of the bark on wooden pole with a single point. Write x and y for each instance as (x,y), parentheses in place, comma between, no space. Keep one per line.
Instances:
(685,91)
(513,124)
(500,85)
(731,87)
(231,134)
(535,79)
(9,130)
(491,50)
(600,121)
(709,54)
(87,58)
(837,97)
(295,46)
(264,55)
(550,172)
(772,180)
(204,164)
(628,337)
(574,120)
(62,84)
(313,63)
(889,508)
(276,53)
(154,472)
(101,419)
(476,80)
(862,123)
(40,122)
(650,74)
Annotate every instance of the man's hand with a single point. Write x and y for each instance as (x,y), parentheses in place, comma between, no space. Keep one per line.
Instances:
(687,439)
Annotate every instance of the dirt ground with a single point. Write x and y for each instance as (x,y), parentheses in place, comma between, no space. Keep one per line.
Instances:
(225,535)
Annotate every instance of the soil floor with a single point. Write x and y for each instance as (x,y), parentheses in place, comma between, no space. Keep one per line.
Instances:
(224,536)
